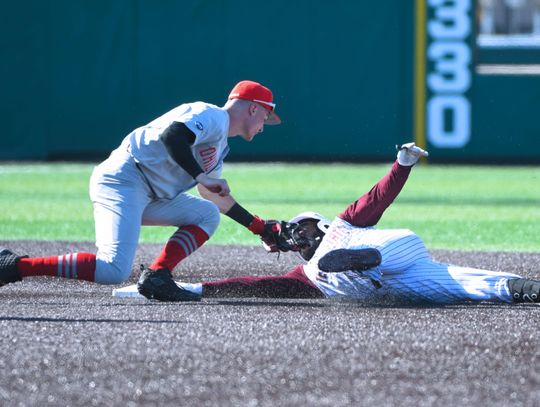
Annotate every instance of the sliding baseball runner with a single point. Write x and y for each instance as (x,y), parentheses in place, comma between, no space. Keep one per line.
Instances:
(350,259)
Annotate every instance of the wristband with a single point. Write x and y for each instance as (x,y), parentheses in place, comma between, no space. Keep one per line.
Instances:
(257,225)
(240,215)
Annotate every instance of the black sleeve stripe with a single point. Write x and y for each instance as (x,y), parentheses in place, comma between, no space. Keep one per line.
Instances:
(177,139)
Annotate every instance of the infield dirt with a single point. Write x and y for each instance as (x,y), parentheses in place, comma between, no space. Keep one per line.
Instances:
(72,343)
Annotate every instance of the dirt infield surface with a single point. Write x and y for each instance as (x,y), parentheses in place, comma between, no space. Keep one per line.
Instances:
(67,343)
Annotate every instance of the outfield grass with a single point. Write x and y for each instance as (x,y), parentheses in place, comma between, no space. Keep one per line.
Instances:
(451,207)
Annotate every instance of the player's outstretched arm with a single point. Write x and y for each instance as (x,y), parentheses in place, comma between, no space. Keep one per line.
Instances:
(291,285)
(269,230)
(369,208)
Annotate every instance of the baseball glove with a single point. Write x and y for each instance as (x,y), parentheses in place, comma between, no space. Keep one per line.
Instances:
(281,236)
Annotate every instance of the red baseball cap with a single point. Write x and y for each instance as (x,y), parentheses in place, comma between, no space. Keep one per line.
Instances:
(255,92)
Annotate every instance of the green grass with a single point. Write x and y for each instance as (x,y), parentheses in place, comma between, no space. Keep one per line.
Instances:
(452,207)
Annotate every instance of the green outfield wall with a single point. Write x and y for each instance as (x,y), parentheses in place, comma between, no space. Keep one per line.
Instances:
(350,78)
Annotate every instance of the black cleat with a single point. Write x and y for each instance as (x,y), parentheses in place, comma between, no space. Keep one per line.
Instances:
(8,267)
(524,290)
(339,260)
(159,285)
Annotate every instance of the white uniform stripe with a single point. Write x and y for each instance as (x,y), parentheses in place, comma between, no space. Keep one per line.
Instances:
(74,266)
(182,243)
(189,238)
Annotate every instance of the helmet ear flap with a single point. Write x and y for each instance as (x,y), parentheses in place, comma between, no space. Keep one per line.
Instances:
(319,228)
(323,225)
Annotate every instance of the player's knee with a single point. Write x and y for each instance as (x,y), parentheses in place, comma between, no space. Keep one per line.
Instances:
(111,272)
(210,220)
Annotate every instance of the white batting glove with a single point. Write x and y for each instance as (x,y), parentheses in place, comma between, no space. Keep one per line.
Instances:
(408,154)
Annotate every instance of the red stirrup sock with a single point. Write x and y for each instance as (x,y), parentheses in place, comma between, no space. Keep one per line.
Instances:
(185,241)
(79,266)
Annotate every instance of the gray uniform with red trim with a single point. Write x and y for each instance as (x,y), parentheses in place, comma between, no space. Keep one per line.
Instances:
(140,184)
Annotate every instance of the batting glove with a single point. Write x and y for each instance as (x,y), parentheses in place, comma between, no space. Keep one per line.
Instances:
(408,154)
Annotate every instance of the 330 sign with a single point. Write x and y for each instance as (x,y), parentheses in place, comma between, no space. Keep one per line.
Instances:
(449,73)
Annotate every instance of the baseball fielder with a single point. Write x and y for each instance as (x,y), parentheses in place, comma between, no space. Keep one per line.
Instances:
(348,258)
(145,182)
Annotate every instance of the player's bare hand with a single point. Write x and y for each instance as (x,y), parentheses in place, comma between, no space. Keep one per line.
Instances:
(409,153)
(215,185)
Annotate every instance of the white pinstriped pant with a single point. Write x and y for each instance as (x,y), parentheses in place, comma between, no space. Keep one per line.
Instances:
(407,273)
(424,282)
(123,203)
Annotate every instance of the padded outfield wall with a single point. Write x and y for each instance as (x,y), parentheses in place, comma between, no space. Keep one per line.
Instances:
(351,78)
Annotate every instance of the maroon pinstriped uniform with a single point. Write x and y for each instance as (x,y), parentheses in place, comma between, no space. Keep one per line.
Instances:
(366,211)
(406,272)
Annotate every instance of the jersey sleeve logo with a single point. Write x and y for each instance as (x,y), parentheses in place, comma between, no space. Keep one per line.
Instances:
(199,125)
(209,158)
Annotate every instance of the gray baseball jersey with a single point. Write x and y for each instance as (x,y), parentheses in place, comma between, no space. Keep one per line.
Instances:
(208,122)
(140,184)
